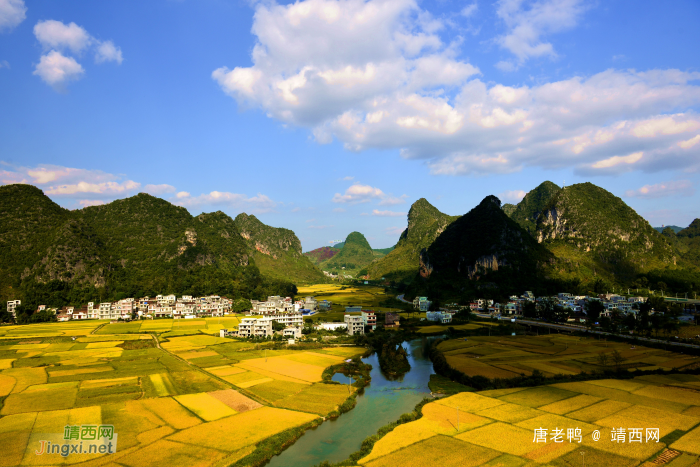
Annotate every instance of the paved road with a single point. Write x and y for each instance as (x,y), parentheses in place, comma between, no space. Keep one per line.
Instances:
(400,298)
(569,327)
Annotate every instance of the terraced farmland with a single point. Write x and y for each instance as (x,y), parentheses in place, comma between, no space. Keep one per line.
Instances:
(497,428)
(507,357)
(197,400)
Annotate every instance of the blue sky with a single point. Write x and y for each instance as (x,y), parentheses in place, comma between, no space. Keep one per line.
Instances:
(327,117)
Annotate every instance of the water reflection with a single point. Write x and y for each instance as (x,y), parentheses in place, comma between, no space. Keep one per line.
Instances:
(384,401)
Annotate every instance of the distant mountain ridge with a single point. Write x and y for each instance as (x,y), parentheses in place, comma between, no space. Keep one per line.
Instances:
(484,245)
(136,246)
(425,224)
(277,251)
(355,254)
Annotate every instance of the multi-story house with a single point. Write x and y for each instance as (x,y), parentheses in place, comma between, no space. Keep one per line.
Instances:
(12,305)
(355,324)
(251,327)
(370,319)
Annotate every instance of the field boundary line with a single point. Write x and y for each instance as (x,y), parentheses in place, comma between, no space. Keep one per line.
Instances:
(201,370)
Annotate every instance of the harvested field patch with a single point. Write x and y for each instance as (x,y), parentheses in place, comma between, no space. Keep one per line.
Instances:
(501,437)
(79,371)
(536,397)
(400,437)
(318,398)
(275,390)
(205,406)
(171,412)
(469,401)
(571,404)
(599,410)
(285,367)
(511,413)
(235,400)
(443,419)
(226,370)
(245,428)
(254,382)
(444,451)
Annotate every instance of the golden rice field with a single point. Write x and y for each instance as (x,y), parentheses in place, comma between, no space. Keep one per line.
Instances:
(507,357)
(344,295)
(497,428)
(197,400)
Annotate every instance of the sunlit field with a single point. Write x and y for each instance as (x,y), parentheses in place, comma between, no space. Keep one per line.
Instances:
(497,428)
(507,357)
(367,296)
(198,399)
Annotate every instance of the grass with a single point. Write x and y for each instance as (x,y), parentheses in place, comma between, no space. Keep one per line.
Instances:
(440,384)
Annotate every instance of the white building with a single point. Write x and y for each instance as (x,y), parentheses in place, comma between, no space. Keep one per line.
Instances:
(251,327)
(292,332)
(355,324)
(12,305)
(439,317)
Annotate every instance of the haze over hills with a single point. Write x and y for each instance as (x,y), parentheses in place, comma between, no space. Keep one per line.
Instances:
(425,223)
(355,254)
(136,246)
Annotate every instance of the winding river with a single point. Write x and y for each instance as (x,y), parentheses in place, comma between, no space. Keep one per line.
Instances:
(384,401)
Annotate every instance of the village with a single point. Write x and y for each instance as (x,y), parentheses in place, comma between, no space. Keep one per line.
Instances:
(287,317)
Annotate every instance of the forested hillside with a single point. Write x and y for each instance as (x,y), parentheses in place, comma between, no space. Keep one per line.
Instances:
(128,248)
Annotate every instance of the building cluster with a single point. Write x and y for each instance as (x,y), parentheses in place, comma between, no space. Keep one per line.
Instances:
(277,305)
(162,306)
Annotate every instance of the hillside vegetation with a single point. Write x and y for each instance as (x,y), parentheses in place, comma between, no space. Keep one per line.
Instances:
(128,248)
(277,251)
(425,223)
(483,248)
(355,255)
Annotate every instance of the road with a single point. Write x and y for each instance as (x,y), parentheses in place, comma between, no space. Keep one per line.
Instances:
(569,327)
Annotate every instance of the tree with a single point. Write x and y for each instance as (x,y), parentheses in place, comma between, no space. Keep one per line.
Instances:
(529,309)
(241,305)
(630,321)
(617,359)
(593,310)
(277,326)
(603,360)
(661,286)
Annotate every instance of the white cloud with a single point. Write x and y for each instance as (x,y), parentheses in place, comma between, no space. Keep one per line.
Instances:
(259,203)
(12,13)
(71,182)
(56,69)
(526,26)
(661,190)
(689,143)
(108,52)
(618,160)
(55,35)
(469,10)
(379,213)
(338,210)
(4,64)
(358,193)
(91,202)
(297,209)
(348,178)
(512,196)
(159,189)
(383,78)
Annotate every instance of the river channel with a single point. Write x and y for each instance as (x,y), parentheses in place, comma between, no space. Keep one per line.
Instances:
(384,401)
